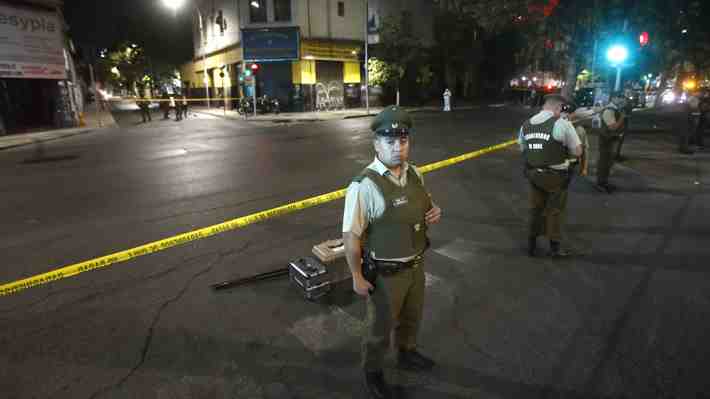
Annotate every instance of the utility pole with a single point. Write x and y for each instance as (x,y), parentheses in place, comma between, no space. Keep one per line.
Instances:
(367,69)
(203,36)
(97,95)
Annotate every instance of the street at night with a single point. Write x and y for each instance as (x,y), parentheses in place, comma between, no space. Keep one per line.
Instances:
(626,317)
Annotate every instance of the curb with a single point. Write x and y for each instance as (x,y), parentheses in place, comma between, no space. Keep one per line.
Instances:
(32,141)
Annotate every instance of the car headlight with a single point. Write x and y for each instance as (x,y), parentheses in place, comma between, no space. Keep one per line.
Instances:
(669,97)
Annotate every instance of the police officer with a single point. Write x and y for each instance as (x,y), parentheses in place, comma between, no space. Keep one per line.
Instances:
(184,104)
(388,211)
(612,125)
(165,105)
(627,108)
(703,111)
(569,113)
(144,106)
(547,141)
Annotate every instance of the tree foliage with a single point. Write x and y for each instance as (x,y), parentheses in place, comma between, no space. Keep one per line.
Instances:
(564,32)
(399,47)
(125,66)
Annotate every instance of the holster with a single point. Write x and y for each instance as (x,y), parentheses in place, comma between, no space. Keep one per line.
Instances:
(369,268)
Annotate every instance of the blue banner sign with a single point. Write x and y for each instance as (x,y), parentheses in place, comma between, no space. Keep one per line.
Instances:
(271,44)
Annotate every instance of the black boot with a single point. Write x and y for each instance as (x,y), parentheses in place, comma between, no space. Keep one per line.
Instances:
(414,361)
(532,246)
(376,385)
(556,251)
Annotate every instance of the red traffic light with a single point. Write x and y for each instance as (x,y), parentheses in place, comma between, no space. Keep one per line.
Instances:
(254,67)
(643,38)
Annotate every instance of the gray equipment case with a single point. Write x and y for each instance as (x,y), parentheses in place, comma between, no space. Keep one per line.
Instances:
(310,276)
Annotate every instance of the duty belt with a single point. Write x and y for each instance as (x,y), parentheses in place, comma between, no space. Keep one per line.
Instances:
(388,267)
(548,170)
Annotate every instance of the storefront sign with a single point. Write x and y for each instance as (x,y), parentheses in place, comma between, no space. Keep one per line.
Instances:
(31,44)
(272,44)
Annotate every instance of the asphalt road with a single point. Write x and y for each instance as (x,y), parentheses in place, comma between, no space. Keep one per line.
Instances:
(628,318)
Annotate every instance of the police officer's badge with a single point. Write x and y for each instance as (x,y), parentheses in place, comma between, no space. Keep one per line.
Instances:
(397,202)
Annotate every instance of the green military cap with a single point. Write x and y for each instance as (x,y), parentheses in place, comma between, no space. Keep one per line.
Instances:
(392,121)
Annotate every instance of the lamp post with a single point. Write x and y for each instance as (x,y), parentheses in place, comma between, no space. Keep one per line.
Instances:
(175,5)
(367,69)
(617,54)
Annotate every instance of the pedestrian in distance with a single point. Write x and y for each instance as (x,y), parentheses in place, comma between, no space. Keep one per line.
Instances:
(175,106)
(165,105)
(703,107)
(612,125)
(184,105)
(144,107)
(447,100)
(387,213)
(547,142)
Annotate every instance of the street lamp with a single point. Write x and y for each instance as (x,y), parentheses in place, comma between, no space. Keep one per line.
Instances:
(175,5)
(367,57)
(617,54)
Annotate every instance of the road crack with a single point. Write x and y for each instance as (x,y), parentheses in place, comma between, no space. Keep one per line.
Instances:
(156,319)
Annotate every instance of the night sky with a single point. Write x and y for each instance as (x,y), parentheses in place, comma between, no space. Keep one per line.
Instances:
(104,23)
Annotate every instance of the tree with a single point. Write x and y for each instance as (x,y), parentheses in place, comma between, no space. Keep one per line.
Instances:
(125,66)
(458,46)
(567,31)
(398,49)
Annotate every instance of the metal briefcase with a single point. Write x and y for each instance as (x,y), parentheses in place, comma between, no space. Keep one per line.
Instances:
(310,276)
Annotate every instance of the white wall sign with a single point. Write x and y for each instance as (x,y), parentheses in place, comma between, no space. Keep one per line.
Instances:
(31,44)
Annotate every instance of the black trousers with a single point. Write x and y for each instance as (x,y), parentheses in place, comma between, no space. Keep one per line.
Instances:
(606,158)
(699,131)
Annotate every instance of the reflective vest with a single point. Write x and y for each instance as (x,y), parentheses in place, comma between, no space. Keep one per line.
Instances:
(540,148)
(400,232)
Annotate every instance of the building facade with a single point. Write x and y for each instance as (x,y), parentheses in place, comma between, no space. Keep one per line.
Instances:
(37,74)
(308,52)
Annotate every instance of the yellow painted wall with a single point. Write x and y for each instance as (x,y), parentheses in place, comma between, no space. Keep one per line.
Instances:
(351,72)
(329,50)
(304,72)
(192,71)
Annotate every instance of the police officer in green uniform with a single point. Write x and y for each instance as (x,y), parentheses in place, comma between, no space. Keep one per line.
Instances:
(144,107)
(387,212)
(548,142)
(612,125)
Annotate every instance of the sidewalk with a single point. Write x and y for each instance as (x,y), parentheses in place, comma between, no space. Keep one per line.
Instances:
(91,118)
(313,116)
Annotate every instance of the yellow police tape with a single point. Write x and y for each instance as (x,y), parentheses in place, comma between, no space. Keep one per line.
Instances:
(156,246)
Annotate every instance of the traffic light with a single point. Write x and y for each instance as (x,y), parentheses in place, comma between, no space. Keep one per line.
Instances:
(254,68)
(643,39)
